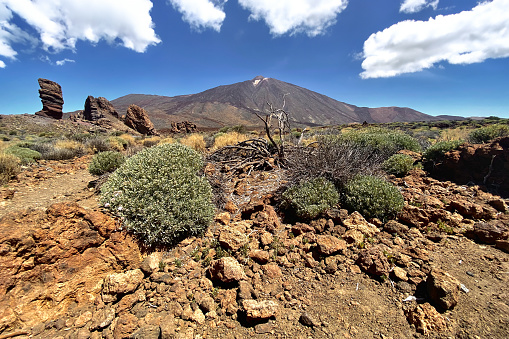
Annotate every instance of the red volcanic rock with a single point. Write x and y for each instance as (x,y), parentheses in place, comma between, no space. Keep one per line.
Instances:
(98,108)
(51,98)
(183,127)
(137,119)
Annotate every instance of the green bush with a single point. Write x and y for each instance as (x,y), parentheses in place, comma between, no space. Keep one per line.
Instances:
(488,133)
(437,151)
(159,195)
(311,198)
(398,164)
(383,140)
(9,167)
(105,162)
(373,197)
(25,155)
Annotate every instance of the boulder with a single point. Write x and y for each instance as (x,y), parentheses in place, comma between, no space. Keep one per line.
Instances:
(426,319)
(121,283)
(227,270)
(443,288)
(137,119)
(98,108)
(357,222)
(183,127)
(373,261)
(232,239)
(328,244)
(260,310)
(489,232)
(51,98)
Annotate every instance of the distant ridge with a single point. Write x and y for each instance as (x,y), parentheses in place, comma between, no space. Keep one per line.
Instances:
(236,104)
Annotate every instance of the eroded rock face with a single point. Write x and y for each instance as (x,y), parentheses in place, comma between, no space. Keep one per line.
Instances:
(483,164)
(42,250)
(183,127)
(51,98)
(137,119)
(98,108)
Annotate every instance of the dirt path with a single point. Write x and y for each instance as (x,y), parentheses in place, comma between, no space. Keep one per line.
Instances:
(47,183)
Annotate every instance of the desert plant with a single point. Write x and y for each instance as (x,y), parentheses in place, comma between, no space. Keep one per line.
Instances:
(9,167)
(97,144)
(25,155)
(310,198)
(105,162)
(373,197)
(398,164)
(195,141)
(227,139)
(436,152)
(488,133)
(384,141)
(117,143)
(159,195)
(335,160)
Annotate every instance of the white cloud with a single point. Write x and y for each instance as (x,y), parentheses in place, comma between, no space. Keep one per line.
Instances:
(60,24)
(10,34)
(464,38)
(2,64)
(64,61)
(413,6)
(312,17)
(201,14)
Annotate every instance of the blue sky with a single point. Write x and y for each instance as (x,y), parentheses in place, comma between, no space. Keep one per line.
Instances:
(435,56)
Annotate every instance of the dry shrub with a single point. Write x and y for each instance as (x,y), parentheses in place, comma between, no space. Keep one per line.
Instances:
(167,140)
(333,160)
(96,145)
(195,141)
(227,139)
(9,167)
(117,143)
(152,141)
(129,138)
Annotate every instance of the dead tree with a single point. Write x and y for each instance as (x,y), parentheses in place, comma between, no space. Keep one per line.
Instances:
(283,126)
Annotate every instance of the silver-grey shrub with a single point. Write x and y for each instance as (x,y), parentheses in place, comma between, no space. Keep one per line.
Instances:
(159,194)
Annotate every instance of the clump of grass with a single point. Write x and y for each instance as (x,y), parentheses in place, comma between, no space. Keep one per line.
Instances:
(194,141)
(9,167)
(117,143)
(226,139)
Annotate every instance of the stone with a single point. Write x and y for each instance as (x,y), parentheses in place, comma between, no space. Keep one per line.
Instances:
(468,209)
(223,218)
(319,225)
(266,238)
(183,127)
(328,244)
(271,270)
(51,98)
(300,228)
(426,319)
(259,310)
(121,283)
(83,318)
(356,221)
(489,232)
(102,319)
(137,119)
(245,291)
(151,262)
(227,269)
(499,204)
(373,261)
(353,237)
(399,273)
(98,108)
(206,302)
(443,288)
(259,256)
(392,226)
(307,320)
(231,207)
(146,332)
(168,327)
(198,316)
(503,245)
(126,324)
(232,239)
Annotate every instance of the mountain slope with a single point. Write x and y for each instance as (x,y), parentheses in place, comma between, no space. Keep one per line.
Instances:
(236,104)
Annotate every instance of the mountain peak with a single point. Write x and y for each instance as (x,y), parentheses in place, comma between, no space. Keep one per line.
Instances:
(258,79)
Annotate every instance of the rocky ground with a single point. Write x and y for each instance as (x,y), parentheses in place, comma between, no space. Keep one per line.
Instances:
(68,270)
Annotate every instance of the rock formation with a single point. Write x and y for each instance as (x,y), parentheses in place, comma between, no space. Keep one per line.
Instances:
(183,127)
(51,98)
(137,119)
(98,108)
